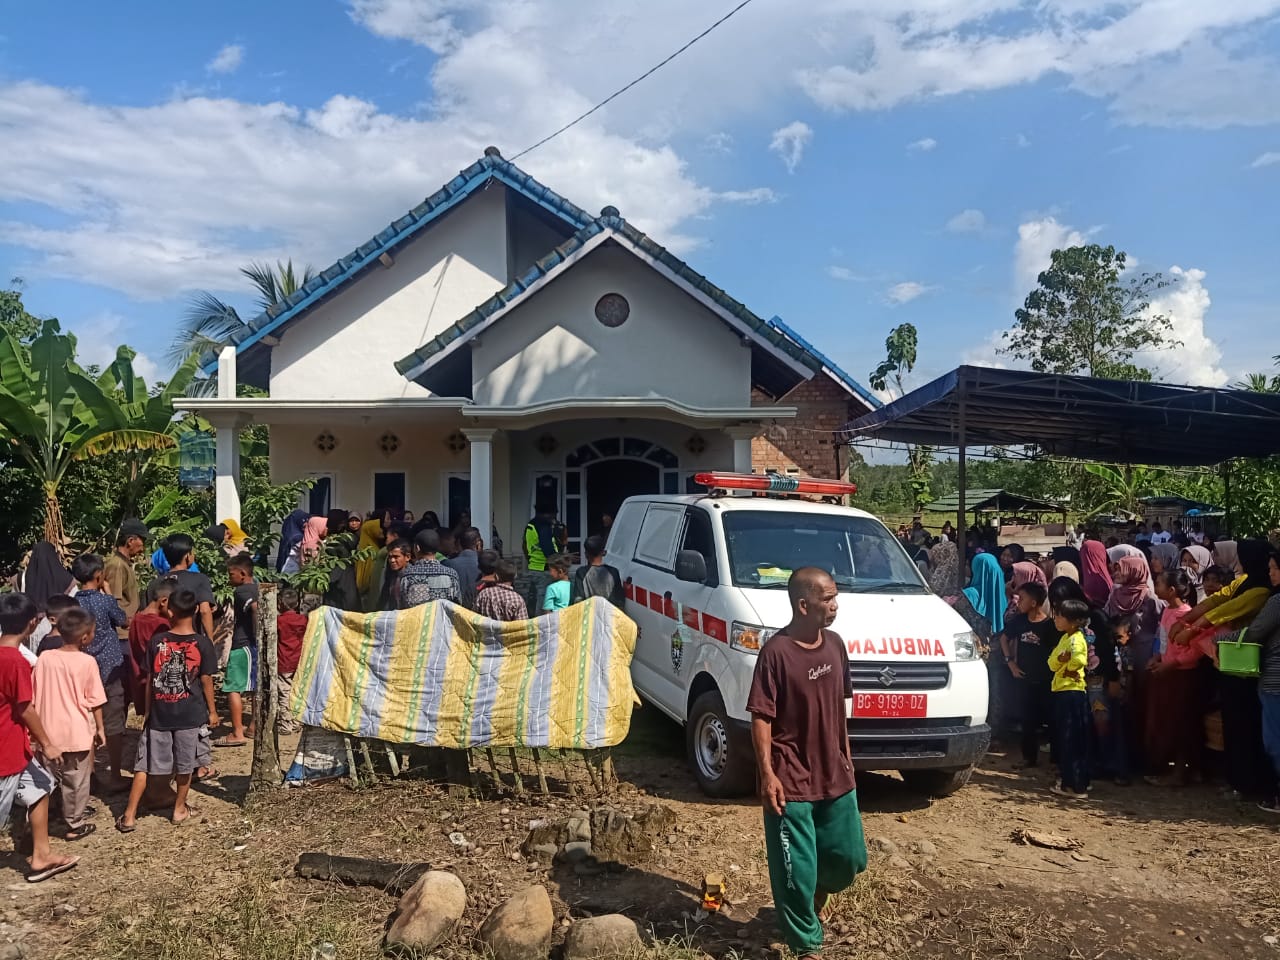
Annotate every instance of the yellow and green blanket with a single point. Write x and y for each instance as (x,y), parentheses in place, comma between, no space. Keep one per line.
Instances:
(439,675)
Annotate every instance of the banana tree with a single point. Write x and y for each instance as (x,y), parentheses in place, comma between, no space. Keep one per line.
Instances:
(151,437)
(51,413)
(1122,487)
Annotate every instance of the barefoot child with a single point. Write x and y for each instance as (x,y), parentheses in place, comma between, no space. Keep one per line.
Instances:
(1071,720)
(290,627)
(1025,642)
(69,699)
(241,676)
(179,710)
(1174,728)
(146,623)
(109,652)
(21,777)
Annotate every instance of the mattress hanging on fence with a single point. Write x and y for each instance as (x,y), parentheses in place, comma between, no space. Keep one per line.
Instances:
(439,675)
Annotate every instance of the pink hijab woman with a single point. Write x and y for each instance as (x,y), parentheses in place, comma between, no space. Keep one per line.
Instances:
(1095,572)
(312,534)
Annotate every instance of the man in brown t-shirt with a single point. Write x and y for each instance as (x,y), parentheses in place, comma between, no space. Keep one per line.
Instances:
(812,826)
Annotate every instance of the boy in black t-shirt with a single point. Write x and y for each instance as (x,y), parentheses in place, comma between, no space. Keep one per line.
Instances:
(180,710)
(55,608)
(1027,639)
(241,675)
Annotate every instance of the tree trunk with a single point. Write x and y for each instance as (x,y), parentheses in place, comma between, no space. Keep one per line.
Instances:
(53,529)
(266,744)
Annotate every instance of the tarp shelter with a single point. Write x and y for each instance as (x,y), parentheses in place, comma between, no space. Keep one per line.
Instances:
(1003,502)
(1087,417)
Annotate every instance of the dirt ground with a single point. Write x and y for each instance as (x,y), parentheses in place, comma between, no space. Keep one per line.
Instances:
(1159,872)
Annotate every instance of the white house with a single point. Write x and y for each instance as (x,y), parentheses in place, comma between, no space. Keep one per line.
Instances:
(498,346)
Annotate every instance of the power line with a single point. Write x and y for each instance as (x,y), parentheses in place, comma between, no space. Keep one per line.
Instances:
(617,93)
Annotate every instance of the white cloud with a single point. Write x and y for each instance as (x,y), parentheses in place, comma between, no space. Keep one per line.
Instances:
(842,273)
(227,60)
(922,146)
(1022,141)
(789,143)
(967,221)
(1037,239)
(905,292)
(96,340)
(1197,360)
(987,354)
(1185,302)
(1270,158)
(750,198)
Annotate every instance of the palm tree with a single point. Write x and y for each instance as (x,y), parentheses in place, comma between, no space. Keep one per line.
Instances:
(1260,382)
(210,323)
(52,413)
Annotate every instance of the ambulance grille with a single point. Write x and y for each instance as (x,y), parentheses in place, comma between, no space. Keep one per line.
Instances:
(898,676)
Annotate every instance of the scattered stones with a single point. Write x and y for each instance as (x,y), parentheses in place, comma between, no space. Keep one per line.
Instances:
(884,845)
(577,851)
(64,909)
(924,848)
(899,863)
(596,938)
(520,929)
(579,829)
(428,911)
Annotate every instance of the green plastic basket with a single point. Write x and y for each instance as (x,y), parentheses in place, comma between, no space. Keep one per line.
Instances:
(1239,659)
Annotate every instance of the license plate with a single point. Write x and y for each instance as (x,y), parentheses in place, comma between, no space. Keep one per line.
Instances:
(890,705)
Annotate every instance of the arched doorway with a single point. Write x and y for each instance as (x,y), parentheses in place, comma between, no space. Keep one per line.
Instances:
(601,474)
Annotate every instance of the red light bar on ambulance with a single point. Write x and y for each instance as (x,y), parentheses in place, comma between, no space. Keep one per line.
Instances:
(775,483)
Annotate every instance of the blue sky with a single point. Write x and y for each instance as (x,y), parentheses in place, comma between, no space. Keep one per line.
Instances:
(876,162)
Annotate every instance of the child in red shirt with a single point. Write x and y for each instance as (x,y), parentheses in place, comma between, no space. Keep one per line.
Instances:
(22,778)
(146,623)
(290,627)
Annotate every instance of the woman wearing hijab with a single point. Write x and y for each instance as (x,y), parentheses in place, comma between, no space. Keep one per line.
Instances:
(1195,560)
(316,529)
(1095,573)
(1069,555)
(1219,616)
(1135,612)
(986,594)
(1226,554)
(237,541)
(1164,556)
(1065,570)
(290,537)
(368,578)
(1120,550)
(45,576)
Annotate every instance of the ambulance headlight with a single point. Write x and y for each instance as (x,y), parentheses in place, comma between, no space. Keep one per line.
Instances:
(966,645)
(748,637)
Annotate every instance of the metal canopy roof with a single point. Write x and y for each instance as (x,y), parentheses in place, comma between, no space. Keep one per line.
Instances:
(1086,417)
(988,500)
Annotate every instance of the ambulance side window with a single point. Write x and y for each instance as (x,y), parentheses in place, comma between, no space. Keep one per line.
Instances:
(698,536)
(656,545)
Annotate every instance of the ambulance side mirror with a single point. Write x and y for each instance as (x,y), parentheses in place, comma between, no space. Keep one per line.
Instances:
(691,566)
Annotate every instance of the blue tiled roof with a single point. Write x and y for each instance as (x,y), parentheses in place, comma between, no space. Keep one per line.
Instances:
(611,220)
(851,384)
(488,168)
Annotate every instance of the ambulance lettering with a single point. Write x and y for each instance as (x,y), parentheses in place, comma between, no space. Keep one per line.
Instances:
(896,647)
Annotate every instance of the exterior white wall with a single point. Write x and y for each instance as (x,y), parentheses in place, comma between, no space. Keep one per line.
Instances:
(552,347)
(345,348)
(423,457)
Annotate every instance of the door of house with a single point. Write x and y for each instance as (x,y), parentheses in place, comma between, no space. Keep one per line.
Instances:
(457,500)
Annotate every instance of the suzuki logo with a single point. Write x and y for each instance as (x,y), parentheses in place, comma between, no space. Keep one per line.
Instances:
(887,677)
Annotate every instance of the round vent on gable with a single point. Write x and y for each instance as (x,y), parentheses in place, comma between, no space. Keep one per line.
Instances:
(612,309)
(325,442)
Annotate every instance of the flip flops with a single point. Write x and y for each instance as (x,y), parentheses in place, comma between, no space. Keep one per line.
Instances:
(79,833)
(123,827)
(42,875)
(228,742)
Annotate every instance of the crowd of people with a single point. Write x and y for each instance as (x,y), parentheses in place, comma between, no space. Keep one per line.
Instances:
(1180,639)
(81,643)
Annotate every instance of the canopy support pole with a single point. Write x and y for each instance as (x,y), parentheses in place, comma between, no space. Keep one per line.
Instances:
(962,537)
(1226,484)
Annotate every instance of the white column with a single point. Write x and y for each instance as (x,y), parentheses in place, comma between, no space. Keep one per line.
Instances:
(227,373)
(742,435)
(481,480)
(226,478)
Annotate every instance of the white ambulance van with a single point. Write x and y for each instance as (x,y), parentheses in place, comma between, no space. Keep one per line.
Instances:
(706,581)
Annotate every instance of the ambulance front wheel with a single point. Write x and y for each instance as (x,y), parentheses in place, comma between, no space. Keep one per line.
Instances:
(719,749)
(937,783)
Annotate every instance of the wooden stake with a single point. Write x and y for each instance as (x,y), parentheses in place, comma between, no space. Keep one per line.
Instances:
(352,772)
(567,773)
(515,770)
(368,760)
(391,760)
(542,777)
(266,742)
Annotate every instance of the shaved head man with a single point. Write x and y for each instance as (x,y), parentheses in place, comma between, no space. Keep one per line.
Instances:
(812,826)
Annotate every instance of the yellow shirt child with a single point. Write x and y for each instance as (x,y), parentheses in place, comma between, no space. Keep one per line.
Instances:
(1068,673)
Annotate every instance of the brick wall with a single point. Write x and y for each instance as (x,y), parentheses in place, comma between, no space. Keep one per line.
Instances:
(806,443)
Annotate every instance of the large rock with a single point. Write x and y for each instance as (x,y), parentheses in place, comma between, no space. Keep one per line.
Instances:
(603,938)
(428,911)
(520,929)
(626,838)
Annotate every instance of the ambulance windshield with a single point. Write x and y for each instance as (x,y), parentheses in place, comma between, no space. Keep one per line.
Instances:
(863,557)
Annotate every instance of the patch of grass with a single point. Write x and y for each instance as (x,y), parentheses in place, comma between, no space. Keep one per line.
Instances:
(256,922)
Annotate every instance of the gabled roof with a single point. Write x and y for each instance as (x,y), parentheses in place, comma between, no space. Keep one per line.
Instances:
(994,500)
(829,366)
(488,168)
(778,363)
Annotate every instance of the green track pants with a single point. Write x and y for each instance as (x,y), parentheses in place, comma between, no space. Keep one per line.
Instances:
(812,847)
